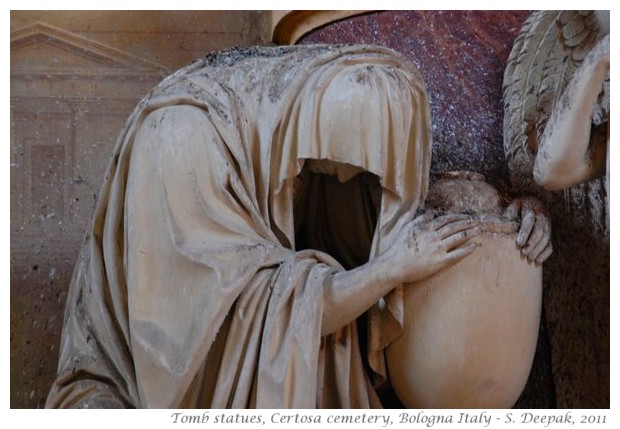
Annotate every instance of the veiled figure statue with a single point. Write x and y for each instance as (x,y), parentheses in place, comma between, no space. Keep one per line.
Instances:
(258,202)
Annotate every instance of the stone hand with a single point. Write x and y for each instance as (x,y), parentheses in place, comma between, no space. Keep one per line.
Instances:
(428,244)
(534,235)
(422,247)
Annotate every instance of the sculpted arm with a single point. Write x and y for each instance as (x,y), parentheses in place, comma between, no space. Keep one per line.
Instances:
(423,247)
(570,152)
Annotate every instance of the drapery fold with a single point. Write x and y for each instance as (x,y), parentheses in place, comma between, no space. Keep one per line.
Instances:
(190,291)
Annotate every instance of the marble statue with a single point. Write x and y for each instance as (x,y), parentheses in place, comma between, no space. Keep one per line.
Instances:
(556,91)
(572,149)
(259,204)
(556,140)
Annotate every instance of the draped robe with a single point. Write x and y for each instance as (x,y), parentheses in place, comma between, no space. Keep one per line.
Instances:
(190,290)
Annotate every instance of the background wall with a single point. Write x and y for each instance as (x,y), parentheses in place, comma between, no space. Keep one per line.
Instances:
(75,78)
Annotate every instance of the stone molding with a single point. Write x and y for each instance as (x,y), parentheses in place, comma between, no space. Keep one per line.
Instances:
(292,26)
(100,60)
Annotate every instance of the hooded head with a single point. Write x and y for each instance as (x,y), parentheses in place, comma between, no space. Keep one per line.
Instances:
(361,113)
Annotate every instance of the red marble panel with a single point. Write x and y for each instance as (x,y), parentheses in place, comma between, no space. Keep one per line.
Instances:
(461,56)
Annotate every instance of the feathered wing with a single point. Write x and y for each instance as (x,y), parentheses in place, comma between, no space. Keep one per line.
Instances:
(544,58)
(546,55)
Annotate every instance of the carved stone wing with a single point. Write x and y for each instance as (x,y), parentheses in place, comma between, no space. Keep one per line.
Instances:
(545,56)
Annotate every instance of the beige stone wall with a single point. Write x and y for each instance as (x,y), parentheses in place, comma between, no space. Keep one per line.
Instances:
(75,77)
(169,38)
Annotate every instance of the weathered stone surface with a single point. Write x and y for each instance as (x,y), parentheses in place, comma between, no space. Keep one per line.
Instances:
(75,78)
